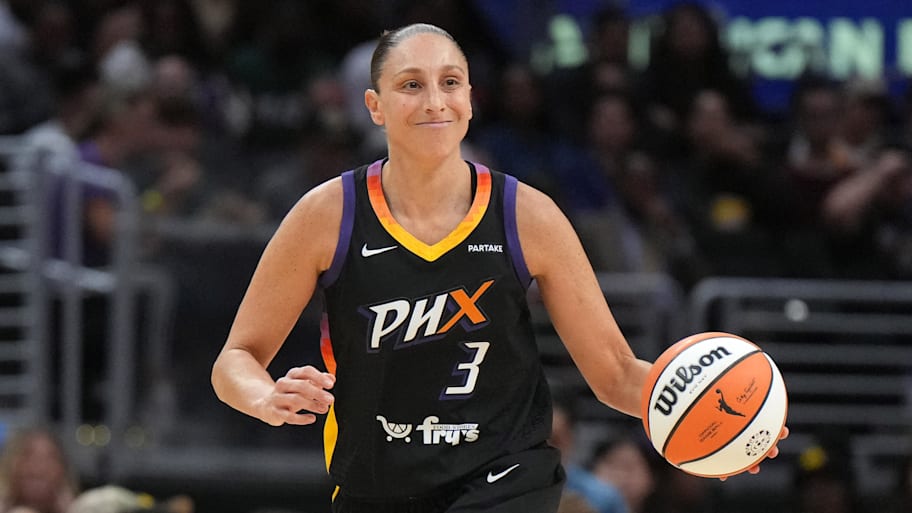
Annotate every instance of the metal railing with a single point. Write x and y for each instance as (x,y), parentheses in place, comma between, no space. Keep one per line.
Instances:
(50,290)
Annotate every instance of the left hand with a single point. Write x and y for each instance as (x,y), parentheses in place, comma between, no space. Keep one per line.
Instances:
(772,453)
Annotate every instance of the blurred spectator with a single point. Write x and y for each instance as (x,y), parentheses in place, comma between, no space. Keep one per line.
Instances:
(124,67)
(13,34)
(572,502)
(848,202)
(680,492)
(116,499)
(688,57)
(582,492)
(171,27)
(588,188)
(76,106)
(624,462)
(815,148)
(25,90)
(217,20)
(517,137)
(35,473)
(53,36)
(111,499)
(268,74)
(126,119)
(815,157)
(722,186)
(354,74)
(864,119)
(172,179)
(824,481)
(327,145)
(123,24)
(573,91)
(615,197)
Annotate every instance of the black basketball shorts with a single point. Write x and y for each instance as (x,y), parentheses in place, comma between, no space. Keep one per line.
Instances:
(527,482)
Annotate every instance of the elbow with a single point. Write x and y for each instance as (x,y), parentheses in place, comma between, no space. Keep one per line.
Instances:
(216,379)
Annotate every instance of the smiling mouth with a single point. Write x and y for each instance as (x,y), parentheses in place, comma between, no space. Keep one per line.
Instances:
(434,123)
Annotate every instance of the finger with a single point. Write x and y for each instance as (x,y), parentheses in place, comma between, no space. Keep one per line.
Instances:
(300,419)
(317,402)
(773,452)
(305,388)
(784,434)
(308,372)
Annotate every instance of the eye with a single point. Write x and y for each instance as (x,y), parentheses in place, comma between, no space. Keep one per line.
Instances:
(451,82)
(411,84)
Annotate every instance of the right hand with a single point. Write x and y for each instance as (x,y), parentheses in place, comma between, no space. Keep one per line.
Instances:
(297,396)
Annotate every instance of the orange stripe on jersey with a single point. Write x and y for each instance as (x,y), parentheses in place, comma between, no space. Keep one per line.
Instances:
(429,252)
(330,428)
(326,349)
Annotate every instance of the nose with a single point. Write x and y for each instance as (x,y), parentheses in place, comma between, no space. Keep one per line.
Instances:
(435,99)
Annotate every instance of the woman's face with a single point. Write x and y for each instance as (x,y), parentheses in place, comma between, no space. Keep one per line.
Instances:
(424,99)
(38,474)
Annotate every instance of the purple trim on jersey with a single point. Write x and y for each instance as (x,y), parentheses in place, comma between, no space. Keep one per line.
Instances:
(345,230)
(519,263)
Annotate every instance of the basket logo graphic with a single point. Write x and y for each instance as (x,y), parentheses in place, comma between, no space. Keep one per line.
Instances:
(397,431)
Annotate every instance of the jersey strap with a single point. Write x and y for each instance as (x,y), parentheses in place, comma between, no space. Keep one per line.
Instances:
(519,262)
(345,230)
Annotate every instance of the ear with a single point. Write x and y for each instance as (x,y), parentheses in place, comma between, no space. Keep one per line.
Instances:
(372,101)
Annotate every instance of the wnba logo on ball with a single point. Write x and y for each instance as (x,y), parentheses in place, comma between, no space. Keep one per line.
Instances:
(684,376)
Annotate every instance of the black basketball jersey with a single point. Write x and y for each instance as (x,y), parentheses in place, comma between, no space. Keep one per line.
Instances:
(437,369)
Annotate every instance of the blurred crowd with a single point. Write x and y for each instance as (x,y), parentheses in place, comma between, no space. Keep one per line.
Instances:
(224,112)
(618,471)
(228,111)
(37,476)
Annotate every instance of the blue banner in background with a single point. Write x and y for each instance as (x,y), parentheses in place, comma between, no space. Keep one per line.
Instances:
(772,42)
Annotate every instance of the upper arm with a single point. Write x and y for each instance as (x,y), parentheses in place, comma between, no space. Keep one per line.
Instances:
(568,286)
(286,276)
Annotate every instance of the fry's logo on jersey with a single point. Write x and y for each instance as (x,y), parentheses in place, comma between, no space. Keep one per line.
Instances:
(423,319)
(434,433)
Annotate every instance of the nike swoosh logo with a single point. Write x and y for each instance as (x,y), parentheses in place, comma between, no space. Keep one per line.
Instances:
(367,252)
(492,478)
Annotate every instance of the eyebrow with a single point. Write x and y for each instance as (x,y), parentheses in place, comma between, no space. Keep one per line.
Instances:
(416,70)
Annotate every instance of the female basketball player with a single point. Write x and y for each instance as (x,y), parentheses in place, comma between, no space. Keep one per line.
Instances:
(423,260)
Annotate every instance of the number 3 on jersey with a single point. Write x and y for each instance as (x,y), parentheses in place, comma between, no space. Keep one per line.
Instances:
(470,369)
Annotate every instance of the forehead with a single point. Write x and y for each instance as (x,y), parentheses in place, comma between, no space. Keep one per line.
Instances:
(424,51)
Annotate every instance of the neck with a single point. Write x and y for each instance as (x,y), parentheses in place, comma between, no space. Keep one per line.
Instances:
(414,187)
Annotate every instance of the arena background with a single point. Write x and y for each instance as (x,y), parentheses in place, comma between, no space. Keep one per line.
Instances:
(114,355)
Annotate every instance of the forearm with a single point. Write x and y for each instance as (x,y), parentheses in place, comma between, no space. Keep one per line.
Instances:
(624,394)
(241,382)
(845,205)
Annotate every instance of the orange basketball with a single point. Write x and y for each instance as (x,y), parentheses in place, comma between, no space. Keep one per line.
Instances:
(714,404)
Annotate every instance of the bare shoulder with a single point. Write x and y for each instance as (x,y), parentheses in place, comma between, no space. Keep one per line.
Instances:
(545,233)
(323,200)
(311,227)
